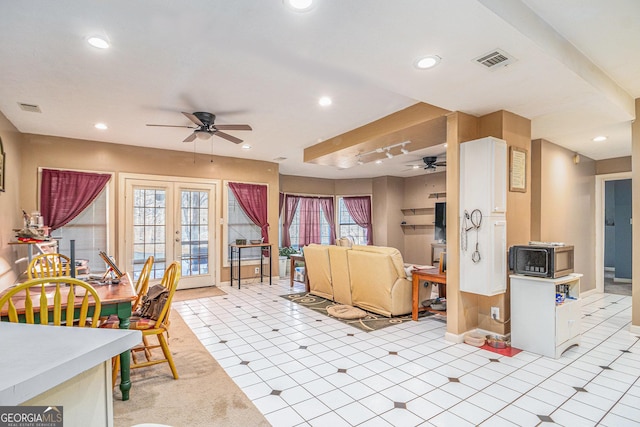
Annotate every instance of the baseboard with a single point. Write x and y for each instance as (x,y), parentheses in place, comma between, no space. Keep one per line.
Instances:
(589,292)
(459,338)
(621,280)
(635,329)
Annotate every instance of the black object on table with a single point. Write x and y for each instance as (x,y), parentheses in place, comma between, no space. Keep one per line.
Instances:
(237,250)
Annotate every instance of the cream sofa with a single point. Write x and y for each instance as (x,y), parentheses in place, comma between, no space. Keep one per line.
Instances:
(370,277)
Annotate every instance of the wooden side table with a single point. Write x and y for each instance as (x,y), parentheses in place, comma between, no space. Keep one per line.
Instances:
(428,275)
(293,259)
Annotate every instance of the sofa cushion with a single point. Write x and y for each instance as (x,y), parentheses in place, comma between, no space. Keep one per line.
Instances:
(340,277)
(316,259)
(393,253)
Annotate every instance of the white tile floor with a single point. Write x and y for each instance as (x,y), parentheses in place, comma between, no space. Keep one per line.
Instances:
(302,368)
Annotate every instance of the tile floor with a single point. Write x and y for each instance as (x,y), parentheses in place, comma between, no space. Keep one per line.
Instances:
(301,368)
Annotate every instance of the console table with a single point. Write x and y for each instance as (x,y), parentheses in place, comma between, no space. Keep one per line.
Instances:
(428,275)
(237,250)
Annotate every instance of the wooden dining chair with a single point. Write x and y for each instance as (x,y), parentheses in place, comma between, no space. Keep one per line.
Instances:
(159,327)
(49,265)
(57,301)
(142,285)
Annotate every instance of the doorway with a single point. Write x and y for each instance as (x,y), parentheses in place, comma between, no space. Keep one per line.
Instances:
(614,223)
(173,221)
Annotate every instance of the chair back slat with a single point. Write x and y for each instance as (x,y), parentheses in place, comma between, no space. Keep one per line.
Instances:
(142,285)
(49,265)
(170,281)
(72,314)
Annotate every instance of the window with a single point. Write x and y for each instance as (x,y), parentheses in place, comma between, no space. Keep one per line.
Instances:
(89,230)
(311,222)
(240,226)
(347,226)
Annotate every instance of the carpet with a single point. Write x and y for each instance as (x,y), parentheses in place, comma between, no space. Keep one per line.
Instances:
(371,322)
(204,395)
(195,293)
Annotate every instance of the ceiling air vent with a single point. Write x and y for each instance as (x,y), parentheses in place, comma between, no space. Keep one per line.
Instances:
(495,59)
(29,107)
(279,159)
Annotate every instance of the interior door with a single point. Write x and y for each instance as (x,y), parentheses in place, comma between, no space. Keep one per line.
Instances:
(173,221)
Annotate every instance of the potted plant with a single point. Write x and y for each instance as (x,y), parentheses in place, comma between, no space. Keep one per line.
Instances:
(284,254)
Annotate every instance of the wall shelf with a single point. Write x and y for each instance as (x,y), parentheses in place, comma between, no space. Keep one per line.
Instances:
(440,195)
(415,226)
(417,211)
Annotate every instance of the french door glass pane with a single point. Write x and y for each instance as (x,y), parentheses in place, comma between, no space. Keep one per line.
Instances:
(149,229)
(194,214)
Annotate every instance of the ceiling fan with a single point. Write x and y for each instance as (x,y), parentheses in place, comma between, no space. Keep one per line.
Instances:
(205,127)
(431,162)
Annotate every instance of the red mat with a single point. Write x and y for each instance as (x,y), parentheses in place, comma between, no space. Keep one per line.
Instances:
(509,351)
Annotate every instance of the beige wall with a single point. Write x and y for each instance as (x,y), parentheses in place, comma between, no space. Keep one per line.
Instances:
(47,151)
(619,164)
(565,204)
(417,242)
(10,207)
(635,213)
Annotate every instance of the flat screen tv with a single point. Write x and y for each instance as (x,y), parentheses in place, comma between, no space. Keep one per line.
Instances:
(440,233)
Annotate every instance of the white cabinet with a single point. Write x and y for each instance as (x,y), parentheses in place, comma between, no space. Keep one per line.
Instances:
(483,194)
(538,323)
(483,176)
(487,276)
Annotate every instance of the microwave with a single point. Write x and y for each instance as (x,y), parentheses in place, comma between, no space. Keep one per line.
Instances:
(541,259)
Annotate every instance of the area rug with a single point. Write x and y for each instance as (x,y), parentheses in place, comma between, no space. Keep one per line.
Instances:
(370,322)
(203,396)
(195,293)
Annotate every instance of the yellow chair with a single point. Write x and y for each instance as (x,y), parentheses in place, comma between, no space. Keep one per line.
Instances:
(158,327)
(49,265)
(30,300)
(142,285)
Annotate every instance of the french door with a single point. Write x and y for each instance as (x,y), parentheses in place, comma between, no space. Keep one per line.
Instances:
(173,221)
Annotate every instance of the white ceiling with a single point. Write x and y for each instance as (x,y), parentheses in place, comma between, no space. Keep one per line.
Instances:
(576,75)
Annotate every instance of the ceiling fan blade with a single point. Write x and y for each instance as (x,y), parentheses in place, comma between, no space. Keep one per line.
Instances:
(233,127)
(193,118)
(190,137)
(228,137)
(173,126)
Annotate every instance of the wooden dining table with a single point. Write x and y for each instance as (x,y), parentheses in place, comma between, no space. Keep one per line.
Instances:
(115,298)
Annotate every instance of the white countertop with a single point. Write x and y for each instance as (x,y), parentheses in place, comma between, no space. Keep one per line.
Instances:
(35,358)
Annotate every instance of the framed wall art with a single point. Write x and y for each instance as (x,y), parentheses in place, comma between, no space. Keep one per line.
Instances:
(2,166)
(518,169)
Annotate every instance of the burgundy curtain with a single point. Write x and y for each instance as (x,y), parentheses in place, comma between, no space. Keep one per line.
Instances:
(253,201)
(290,206)
(65,194)
(359,207)
(280,203)
(326,203)
(309,221)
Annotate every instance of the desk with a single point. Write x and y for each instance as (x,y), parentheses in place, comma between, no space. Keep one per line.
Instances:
(237,250)
(294,259)
(429,275)
(115,299)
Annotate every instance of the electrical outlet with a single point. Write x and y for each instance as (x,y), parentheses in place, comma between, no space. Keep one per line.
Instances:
(495,313)
(256,270)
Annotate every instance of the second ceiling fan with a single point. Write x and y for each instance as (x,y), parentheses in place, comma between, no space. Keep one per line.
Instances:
(205,127)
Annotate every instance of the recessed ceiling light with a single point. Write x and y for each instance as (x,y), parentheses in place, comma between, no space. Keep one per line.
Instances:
(246,147)
(325,101)
(99,42)
(378,162)
(427,62)
(416,166)
(600,138)
(299,5)
(100,126)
